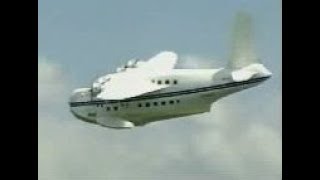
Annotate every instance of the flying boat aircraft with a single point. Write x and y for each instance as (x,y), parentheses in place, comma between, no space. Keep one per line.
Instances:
(142,92)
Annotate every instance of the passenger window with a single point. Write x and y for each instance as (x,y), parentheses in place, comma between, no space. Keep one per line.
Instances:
(92,114)
(108,108)
(177,100)
(171,102)
(159,82)
(155,103)
(115,108)
(163,103)
(152,81)
(139,105)
(167,82)
(147,104)
(175,82)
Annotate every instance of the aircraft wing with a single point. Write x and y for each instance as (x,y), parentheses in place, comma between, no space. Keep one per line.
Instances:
(137,81)
(128,86)
(160,63)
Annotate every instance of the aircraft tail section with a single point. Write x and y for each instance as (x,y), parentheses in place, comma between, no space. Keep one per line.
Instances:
(244,62)
(242,53)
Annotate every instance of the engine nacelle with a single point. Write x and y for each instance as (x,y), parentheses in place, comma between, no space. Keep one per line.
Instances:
(132,63)
(96,86)
(120,69)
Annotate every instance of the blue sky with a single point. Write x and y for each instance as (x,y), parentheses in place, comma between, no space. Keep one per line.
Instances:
(97,35)
(80,39)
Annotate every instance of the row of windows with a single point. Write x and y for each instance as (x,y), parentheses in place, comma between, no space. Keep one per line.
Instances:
(165,82)
(162,103)
(109,108)
(122,105)
(114,108)
(147,104)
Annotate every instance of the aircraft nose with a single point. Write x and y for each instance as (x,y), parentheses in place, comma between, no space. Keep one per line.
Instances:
(74,113)
(74,97)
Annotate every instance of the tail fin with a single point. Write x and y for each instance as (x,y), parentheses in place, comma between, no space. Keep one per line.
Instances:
(242,53)
(244,63)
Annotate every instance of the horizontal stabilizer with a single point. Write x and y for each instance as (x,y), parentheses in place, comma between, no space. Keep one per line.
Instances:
(248,72)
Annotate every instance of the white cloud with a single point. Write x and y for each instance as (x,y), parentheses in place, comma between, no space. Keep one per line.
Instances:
(51,81)
(217,145)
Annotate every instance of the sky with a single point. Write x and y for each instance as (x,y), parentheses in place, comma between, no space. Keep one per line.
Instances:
(79,40)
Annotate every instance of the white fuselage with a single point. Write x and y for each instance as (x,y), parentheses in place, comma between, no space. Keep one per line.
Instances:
(191,91)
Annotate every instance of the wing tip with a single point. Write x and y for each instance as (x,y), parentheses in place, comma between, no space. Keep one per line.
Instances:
(170,54)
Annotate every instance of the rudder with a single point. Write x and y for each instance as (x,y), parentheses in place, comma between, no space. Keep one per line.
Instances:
(242,53)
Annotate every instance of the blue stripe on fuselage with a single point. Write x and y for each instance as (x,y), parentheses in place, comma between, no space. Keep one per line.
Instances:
(169,94)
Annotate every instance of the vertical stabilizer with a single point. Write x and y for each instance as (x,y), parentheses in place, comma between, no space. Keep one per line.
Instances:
(244,63)
(242,53)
